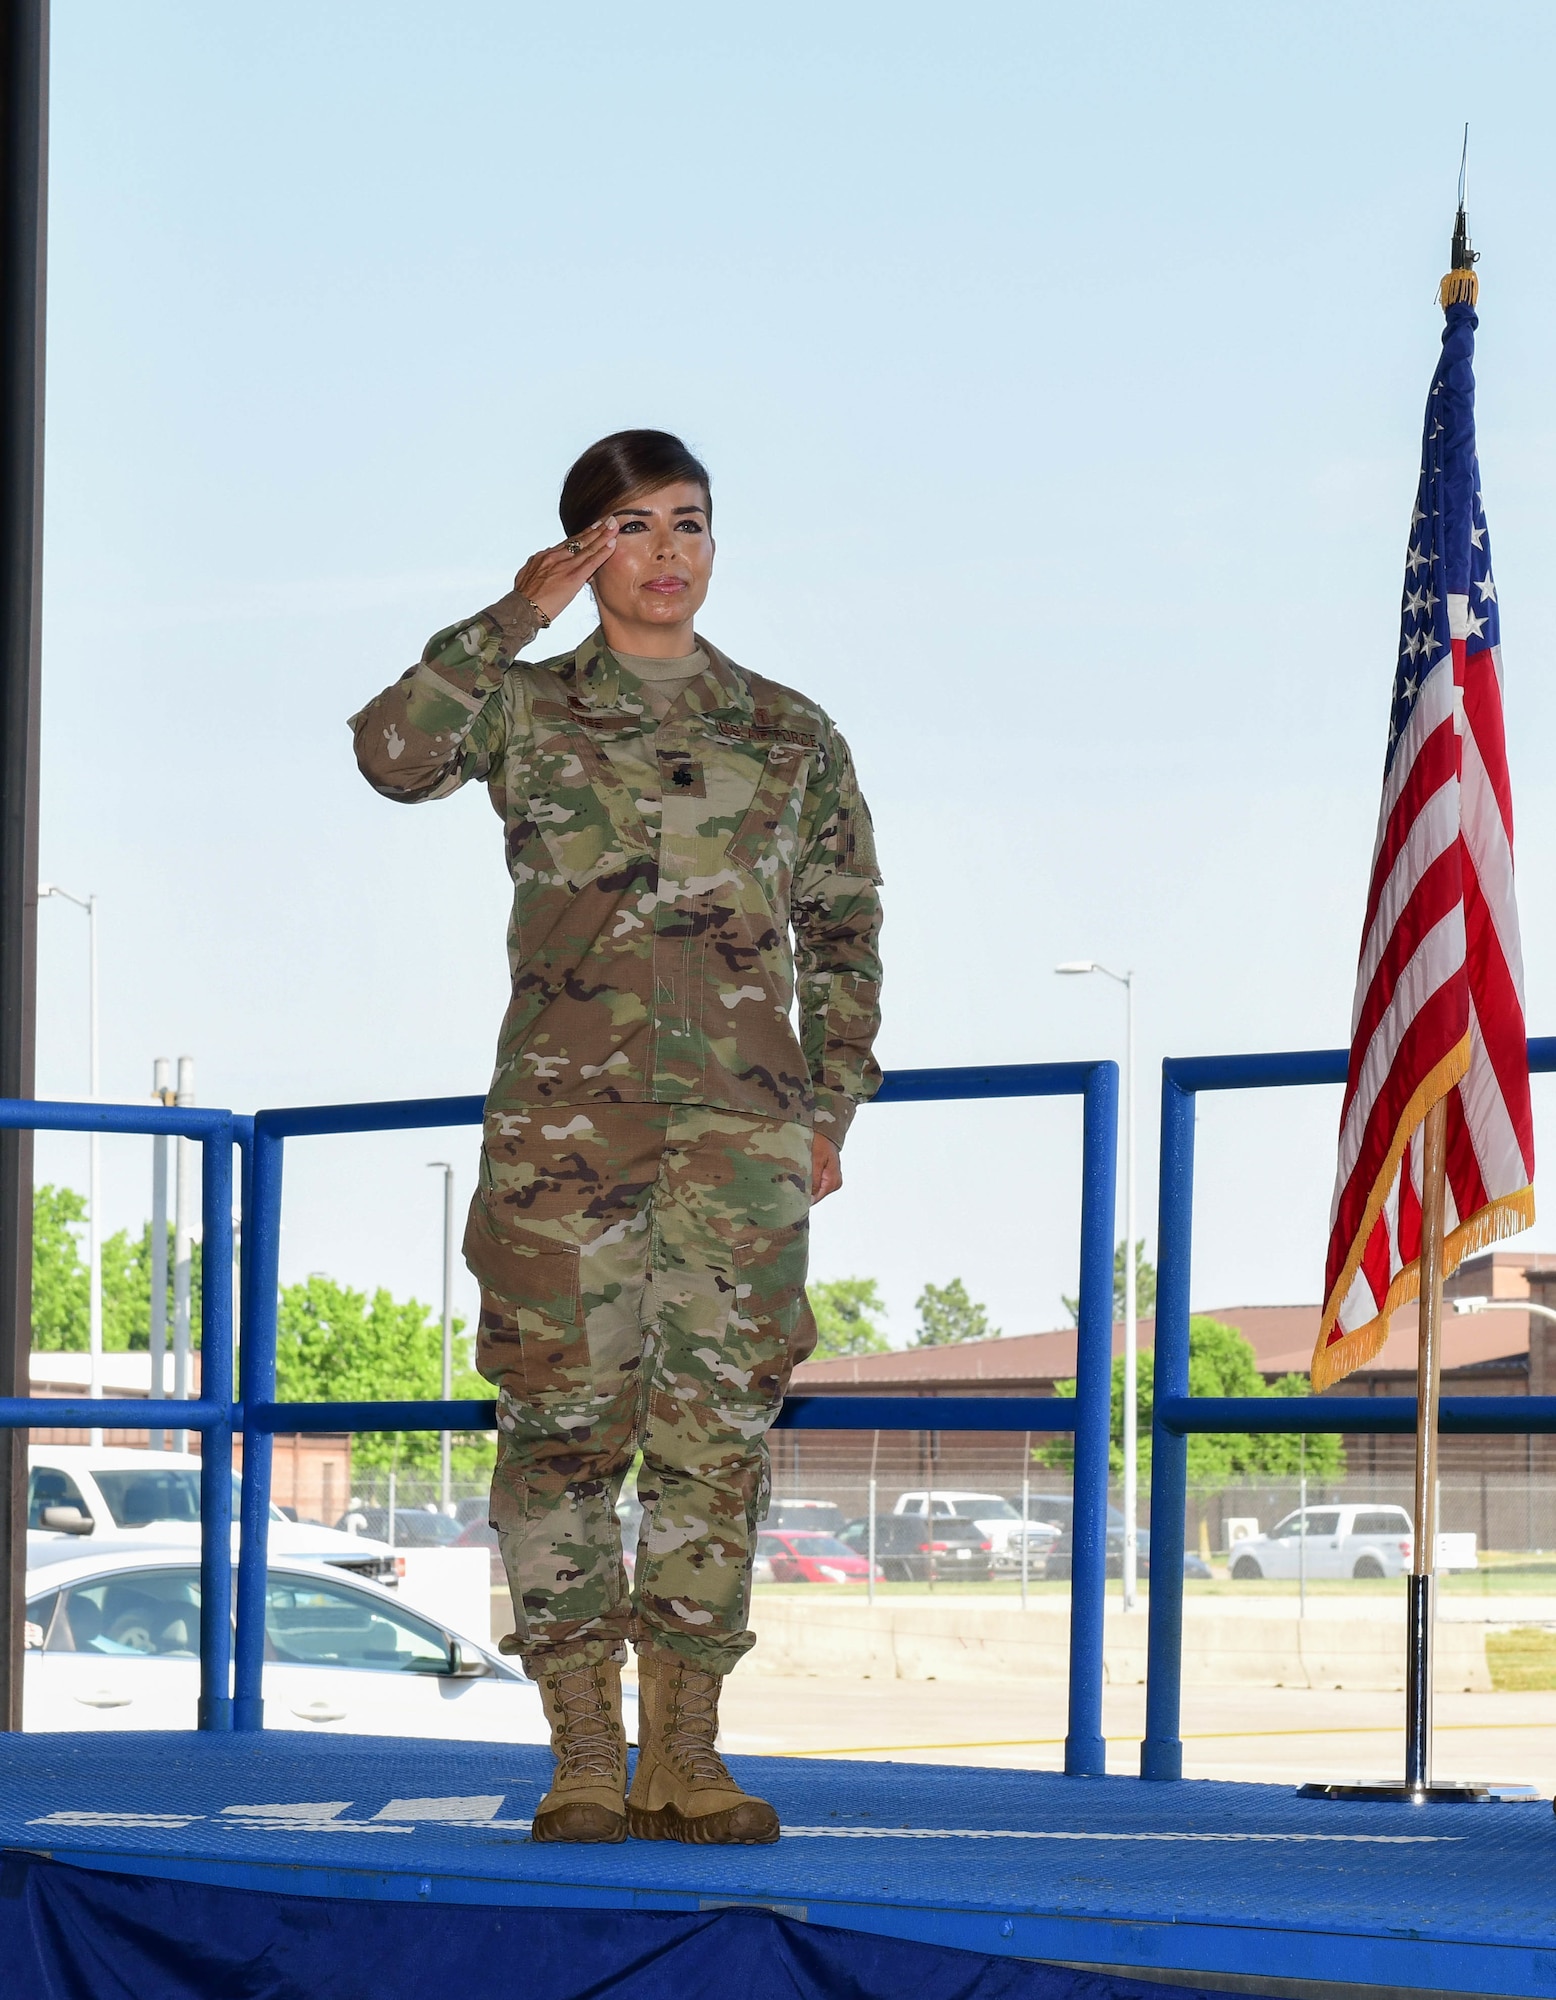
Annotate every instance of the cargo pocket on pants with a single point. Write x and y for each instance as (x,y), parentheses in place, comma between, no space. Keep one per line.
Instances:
(532,1272)
(529,1285)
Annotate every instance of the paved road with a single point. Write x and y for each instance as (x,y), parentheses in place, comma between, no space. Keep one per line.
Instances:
(1279,1735)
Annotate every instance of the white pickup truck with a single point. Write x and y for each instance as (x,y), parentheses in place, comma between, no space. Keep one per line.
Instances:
(1346,1540)
(123,1496)
(992,1514)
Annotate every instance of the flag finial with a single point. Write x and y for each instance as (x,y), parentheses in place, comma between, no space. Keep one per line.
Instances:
(1461,286)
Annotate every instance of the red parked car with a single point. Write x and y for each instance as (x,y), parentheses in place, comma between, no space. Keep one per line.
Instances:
(802,1555)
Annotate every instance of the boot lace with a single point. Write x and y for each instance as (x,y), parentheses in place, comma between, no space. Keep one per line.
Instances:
(691,1727)
(586,1733)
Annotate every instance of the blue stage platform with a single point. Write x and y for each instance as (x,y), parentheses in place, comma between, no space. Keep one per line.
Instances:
(1258,1891)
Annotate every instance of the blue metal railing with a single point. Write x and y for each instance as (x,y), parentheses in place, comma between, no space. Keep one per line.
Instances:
(212,1412)
(1087,1414)
(1177,1414)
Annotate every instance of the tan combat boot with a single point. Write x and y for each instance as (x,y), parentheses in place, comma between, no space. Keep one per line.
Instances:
(680,1789)
(587,1799)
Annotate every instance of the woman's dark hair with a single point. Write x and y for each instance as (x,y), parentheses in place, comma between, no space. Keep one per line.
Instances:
(620,467)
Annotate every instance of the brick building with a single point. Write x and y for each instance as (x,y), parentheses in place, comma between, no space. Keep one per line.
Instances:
(1495,1351)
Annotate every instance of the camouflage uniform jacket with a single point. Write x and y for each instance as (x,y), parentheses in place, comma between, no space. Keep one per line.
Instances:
(657,873)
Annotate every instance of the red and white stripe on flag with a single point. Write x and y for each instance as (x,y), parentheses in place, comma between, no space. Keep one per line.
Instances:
(1439,1010)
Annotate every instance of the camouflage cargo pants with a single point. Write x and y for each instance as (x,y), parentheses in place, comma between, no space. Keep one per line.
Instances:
(642,1270)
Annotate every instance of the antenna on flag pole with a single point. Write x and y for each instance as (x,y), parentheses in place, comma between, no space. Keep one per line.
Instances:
(1461,286)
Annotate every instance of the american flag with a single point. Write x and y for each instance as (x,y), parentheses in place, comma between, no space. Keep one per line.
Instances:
(1439,1009)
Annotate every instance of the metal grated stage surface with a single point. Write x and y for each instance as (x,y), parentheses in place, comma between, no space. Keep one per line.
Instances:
(1215,1878)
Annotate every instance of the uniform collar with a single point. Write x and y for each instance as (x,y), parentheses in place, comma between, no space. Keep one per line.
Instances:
(598,681)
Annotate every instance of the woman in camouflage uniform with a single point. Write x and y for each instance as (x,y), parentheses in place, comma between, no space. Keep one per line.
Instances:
(690,854)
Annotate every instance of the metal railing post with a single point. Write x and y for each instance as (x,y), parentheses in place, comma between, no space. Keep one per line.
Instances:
(216,1440)
(261,1276)
(1161,1754)
(1085,1751)
(243,1139)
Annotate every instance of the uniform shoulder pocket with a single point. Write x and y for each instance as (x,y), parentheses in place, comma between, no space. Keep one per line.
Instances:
(770,826)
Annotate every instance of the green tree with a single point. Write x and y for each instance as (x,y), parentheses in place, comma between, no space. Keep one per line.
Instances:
(334,1344)
(1281,1452)
(947,1315)
(127,1291)
(59,1273)
(846,1310)
(1221,1363)
(60,1282)
(1145,1286)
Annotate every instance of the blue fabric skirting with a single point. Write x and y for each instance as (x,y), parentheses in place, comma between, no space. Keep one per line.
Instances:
(70,1933)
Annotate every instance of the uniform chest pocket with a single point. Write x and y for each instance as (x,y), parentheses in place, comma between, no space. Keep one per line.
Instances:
(766,839)
(578,804)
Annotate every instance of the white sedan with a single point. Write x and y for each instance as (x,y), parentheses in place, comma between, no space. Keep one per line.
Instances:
(113,1643)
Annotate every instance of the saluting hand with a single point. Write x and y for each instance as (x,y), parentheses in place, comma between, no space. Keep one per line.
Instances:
(552,579)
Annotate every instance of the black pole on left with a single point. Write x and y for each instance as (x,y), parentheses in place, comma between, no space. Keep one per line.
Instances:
(24,155)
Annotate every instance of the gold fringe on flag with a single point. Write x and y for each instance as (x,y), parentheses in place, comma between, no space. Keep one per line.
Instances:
(1503,1217)
(1459,288)
(1333,1362)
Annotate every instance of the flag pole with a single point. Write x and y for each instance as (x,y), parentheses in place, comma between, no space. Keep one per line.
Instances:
(1429,1369)
(1459,288)
(1418,1788)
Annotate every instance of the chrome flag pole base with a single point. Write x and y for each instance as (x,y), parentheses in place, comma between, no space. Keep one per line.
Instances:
(1465,1794)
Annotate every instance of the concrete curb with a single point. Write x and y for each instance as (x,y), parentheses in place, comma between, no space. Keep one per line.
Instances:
(912,1641)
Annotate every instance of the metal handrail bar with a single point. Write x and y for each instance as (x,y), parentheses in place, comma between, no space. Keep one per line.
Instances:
(110,1413)
(910,1412)
(1358,1416)
(799,1413)
(1177,1414)
(902,1086)
(212,1412)
(1088,1413)
(58,1114)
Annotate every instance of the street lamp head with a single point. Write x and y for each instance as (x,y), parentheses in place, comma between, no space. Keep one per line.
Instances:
(441,1163)
(1072,965)
(46,889)
(1469,1305)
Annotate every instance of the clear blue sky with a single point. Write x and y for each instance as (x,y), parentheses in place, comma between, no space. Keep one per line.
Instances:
(1061,373)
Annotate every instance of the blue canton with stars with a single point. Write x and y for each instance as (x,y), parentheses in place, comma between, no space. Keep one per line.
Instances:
(1450,549)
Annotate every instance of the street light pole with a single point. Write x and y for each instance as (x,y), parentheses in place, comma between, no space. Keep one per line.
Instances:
(162,1093)
(94,1234)
(1131,1441)
(185,1169)
(446,1439)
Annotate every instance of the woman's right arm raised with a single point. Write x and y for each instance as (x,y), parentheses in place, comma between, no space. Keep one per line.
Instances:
(441,724)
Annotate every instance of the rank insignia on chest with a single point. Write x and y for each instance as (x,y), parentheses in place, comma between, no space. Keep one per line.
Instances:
(682,773)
